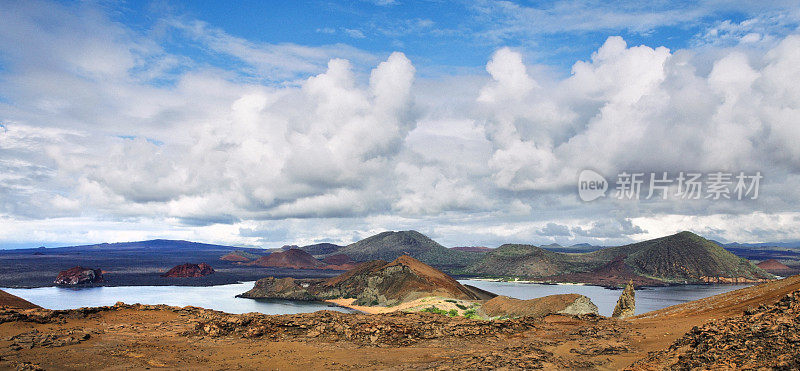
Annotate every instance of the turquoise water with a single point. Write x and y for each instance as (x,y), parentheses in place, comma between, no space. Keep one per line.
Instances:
(647,299)
(222,297)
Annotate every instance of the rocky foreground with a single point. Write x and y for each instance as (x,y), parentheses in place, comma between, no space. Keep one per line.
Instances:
(754,327)
(143,336)
(767,337)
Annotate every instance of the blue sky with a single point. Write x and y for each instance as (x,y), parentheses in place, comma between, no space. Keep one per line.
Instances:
(446,35)
(262,123)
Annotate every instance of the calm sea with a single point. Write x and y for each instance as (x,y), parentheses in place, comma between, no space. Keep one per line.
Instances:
(222,297)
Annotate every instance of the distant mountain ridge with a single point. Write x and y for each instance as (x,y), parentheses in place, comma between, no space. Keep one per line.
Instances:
(151,244)
(324,248)
(790,244)
(575,248)
(681,258)
(479,249)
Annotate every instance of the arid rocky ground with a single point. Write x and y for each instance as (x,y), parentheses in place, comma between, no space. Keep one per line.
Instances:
(135,336)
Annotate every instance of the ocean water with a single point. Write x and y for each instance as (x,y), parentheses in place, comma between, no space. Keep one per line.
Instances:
(219,297)
(223,297)
(647,299)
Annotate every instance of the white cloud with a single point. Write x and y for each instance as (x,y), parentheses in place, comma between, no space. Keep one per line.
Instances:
(325,141)
(354,33)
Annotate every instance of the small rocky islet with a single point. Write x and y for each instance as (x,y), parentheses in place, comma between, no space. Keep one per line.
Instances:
(79,276)
(187,270)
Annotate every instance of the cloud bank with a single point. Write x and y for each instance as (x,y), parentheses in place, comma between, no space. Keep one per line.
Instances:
(107,136)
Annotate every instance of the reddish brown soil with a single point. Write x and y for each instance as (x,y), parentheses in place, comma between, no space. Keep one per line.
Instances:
(189,270)
(433,277)
(139,337)
(8,300)
(337,259)
(234,257)
(292,258)
(775,267)
(339,262)
(614,274)
(539,307)
(772,264)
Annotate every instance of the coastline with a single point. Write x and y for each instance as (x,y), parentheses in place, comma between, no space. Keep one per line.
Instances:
(524,281)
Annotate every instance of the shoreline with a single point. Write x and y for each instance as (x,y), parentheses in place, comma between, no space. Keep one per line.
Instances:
(666,284)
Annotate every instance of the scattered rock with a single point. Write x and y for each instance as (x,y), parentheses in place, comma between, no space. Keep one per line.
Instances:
(764,338)
(387,329)
(34,338)
(79,275)
(626,305)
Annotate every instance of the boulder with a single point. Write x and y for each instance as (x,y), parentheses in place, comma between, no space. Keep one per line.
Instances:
(79,275)
(626,305)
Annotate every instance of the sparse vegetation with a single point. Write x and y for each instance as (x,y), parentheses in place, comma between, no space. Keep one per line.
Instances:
(433,309)
(471,314)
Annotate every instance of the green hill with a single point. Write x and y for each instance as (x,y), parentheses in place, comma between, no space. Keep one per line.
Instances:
(688,257)
(680,258)
(320,248)
(390,245)
(527,261)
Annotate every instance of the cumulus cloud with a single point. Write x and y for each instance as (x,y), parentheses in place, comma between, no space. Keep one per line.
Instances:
(333,140)
(609,229)
(554,230)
